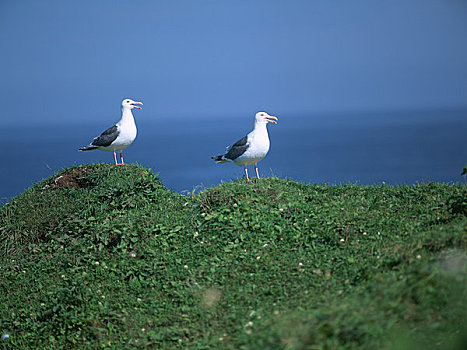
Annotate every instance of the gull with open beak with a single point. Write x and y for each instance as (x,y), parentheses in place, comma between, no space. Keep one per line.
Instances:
(252,148)
(119,136)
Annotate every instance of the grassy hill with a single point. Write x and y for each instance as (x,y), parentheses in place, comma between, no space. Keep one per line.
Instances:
(106,257)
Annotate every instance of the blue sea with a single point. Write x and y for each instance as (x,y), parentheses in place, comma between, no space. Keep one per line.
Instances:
(362,148)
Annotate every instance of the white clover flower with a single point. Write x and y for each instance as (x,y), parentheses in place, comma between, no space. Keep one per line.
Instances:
(300,264)
(133,254)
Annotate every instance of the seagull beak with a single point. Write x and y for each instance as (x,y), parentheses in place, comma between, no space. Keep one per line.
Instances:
(270,119)
(137,103)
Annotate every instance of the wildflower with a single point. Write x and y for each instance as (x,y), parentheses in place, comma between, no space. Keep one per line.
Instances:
(265,245)
(143,330)
(249,324)
(133,254)
(383,182)
(97,263)
(138,299)
(5,336)
(196,234)
(62,276)
(185,266)
(342,240)
(248,331)
(235,205)
(419,256)
(258,257)
(300,264)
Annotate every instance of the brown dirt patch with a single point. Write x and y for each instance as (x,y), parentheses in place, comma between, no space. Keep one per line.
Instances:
(73,179)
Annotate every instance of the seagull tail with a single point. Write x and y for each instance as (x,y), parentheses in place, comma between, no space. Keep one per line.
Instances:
(88,148)
(220,159)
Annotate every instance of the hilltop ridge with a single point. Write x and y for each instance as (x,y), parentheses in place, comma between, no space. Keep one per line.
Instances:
(105,256)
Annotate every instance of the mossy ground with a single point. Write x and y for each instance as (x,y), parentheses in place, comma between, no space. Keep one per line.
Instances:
(106,257)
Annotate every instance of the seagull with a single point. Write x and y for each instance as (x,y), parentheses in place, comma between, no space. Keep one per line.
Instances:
(252,148)
(119,136)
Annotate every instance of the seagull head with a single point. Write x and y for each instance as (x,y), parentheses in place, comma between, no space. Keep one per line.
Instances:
(130,104)
(264,118)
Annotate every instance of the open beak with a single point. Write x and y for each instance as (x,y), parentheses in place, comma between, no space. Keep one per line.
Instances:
(270,119)
(137,103)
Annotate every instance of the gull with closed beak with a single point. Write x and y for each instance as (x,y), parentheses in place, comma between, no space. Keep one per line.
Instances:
(252,148)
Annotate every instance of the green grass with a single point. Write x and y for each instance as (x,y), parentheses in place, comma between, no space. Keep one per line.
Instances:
(107,257)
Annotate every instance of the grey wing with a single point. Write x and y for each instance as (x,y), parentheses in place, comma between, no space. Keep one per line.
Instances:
(237,149)
(106,138)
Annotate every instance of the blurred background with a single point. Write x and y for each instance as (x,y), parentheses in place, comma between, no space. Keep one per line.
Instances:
(364,91)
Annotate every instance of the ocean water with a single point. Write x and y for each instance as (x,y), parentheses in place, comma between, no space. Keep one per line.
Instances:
(396,147)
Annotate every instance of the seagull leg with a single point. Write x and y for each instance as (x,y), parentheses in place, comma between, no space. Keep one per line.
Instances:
(257,173)
(121,157)
(115,157)
(246,173)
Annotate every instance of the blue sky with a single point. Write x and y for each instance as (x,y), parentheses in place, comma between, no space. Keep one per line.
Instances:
(69,60)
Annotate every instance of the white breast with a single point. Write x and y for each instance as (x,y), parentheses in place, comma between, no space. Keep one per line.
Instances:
(258,141)
(127,134)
